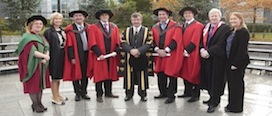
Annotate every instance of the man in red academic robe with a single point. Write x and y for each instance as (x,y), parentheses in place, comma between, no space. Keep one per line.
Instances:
(167,40)
(190,72)
(104,39)
(76,57)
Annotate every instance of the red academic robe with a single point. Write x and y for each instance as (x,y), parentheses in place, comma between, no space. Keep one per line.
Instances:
(170,65)
(191,65)
(101,70)
(72,72)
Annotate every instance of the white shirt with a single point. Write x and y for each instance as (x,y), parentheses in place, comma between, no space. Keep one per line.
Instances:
(107,23)
(189,22)
(79,26)
(136,29)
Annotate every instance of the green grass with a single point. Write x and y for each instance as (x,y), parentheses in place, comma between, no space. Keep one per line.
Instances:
(261,37)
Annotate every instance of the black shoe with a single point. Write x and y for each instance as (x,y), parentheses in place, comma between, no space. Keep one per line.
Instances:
(160,96)
(112,96)
(193,99)
(127,98)
(77,98)
(99,99)
(86,97)
(211,109)
(184,96)
(169,100)
(228,110)
(143,99)
(37,108)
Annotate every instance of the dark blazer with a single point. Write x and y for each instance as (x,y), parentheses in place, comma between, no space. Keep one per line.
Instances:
(55,51)
(239,49)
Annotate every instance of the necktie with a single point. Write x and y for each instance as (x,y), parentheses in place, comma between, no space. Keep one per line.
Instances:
(185,26)
(106,27)
(135,37)
(83,39)
(210,35)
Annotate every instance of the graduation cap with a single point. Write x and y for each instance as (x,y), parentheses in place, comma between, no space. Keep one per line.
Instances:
(100,12)
(71,14)
(188,8)
(36,17)
(156,11)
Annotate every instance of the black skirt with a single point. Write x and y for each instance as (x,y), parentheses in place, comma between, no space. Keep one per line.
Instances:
(56,68)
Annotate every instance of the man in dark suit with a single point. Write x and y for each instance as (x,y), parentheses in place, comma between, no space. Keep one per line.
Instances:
(136,43)
(77,47)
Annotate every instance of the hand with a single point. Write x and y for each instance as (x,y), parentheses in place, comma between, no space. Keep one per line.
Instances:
(47,57)
(43,61)
(135,52)
(204,53)
(233,67)
(73,61)
(162,53)
(186,54)
(101,57)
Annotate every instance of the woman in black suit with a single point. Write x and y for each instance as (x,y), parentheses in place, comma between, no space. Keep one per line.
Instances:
(237,61)
(56,39)
(213,57)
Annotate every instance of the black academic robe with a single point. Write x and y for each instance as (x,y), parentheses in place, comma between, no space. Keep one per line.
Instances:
(212,69)
(143,43)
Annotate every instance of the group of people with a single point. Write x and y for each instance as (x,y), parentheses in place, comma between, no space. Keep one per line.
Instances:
(205,57)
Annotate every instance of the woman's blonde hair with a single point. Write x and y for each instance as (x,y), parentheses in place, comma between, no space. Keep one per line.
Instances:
(53,16)
(239,16)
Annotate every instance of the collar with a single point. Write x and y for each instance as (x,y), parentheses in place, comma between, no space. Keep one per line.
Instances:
(103,23)
(167,21)
(78,25)
(137,28)
(189,22)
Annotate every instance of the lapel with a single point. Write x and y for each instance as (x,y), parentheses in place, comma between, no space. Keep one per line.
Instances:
(108,35)
(216,35)
(54,33)
(140,36)
(170,25)
(188,26)
(76,34)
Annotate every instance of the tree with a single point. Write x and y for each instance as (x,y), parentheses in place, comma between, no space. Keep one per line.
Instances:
(202,6)
(18,11)
(173,5)
(94,6)
(248,7)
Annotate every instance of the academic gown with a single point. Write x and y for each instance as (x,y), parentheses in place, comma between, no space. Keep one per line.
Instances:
(142,42)
(103,69)
(170,65)
(72,72)
(191,65)
(33,74)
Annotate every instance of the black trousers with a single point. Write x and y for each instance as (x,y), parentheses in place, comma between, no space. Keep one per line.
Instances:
(236,88)
(191,89)
(166,88)
(107,88)
(136,79)
(80,86)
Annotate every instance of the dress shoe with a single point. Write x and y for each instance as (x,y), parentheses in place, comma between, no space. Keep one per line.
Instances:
(44,108)
(193,99)
(228,110)
(169,100)
(160,96)
(211,109)
(99,99)
(64,98)
(184,96)
(143,99)
(86,97)
(112,96)
(77,98)
(57,102)
(37,108)
(127,98)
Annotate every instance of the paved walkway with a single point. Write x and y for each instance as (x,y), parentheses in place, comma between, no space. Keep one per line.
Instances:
(258,101)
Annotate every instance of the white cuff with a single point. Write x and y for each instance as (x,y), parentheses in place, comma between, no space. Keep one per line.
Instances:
(167,49)
(202,50)
(156,48)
